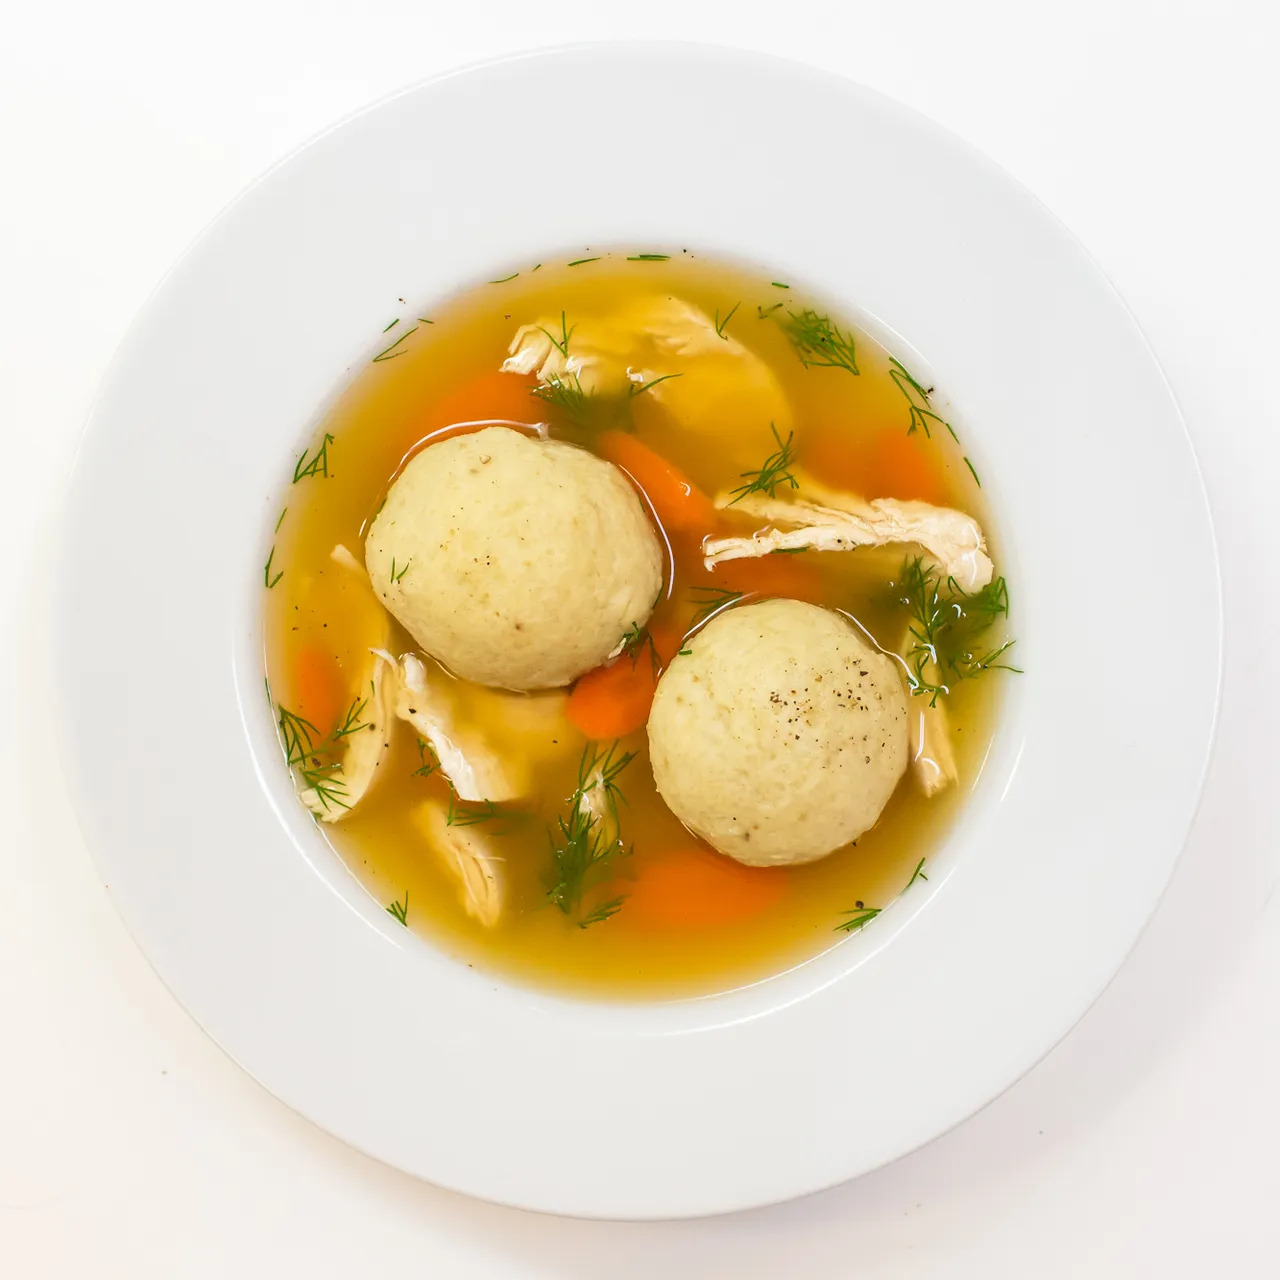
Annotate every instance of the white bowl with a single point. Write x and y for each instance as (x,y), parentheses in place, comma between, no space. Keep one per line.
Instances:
(641,1110)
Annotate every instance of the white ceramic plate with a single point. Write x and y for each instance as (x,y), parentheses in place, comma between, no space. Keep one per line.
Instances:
(663,1109)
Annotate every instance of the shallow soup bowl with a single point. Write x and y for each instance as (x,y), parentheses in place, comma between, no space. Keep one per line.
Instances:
(498,1090)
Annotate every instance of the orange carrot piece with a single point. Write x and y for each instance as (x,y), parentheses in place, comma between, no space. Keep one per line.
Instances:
(613,701)
(695,887)
(319,689)
(906,466)
(782,575)
(680,505)
(492,394)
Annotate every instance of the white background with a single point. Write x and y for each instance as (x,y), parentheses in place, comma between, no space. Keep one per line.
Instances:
(1144,1145)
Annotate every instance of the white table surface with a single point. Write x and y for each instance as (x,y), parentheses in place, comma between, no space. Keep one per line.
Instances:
(1144,1145)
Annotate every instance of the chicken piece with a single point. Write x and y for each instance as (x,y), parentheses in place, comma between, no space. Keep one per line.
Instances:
(367,739)
(340,555)
(466,854)
(929,746)
(655,338)
(444,712)
(840,522)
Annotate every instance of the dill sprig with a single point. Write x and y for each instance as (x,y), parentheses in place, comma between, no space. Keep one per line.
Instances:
(565,393)
(318,464)
(859,915)
(577,262)
(504,279)
(581,851)
(401,910)
(426,767)
(635,388)
(711,600)
(561,343)
(472,815)
(636,640)
(819,341)
(775,470)
(352,721)
(917,397)
(310,756)
(649,257)
(946,624)
(391,353)
(720,324)
(917,874)
(266,569)
(395,574)
(767,313)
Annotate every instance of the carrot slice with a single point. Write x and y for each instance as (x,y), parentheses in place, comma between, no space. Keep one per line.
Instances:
(905,466)
(613,701)
(319,689)
(695,887)
(680,505)
(491,394)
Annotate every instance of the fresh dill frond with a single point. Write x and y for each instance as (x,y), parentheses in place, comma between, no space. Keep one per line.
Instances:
(636,640)
(684,653)
(710,601)
(317,465)
(818,341)
(917,874)
(396,575)
(775,470)
(580,854)
(561,343)
(567,395)
(859,917)
(298,735)
(392,325)
(504,279)
(917,397)
(720,324)
(426,767)
(777,284)
(945,626)
(284,512)
(387,352)
(649,257)
(351,722)
(473,815)
(598,915)
(766,313)
(401,910)
(601,769)
(266,570)
(311,757)
(635,388)
(972,471)
(578,262)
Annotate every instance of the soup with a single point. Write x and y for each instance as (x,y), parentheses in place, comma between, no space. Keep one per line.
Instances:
(632,625)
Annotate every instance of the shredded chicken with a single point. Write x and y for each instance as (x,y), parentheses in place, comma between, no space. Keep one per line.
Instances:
(366,748)
(466,854)
(473,768)
(840,522)
(932,756)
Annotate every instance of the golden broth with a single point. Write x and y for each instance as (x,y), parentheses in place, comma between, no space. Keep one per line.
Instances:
(850,433)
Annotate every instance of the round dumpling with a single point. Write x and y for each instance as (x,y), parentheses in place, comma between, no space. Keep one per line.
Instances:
(781,735)
(516,562)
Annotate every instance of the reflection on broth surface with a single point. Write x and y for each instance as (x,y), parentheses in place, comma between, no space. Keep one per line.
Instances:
(739,442)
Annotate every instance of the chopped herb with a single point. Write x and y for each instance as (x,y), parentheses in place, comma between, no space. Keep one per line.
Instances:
(917,397)
(636,389)
(946,624)
(580,262)
(788,551)
(765,313)
(537,267)
(470,817)
(351,722)
(279,522)
(314,466)
(397,575)
(777,284)
(649,257)
(561,343)
(972,472)
(917,874)
(311,758)
(684,653)
(266,572)
(401,910)
(601,913)
(426,767)
(773,473)
(636,640)
(567,394)
(597,768)
(711,600)
(393,324)
(386,352)
(421,320)
(858,917)
(504,279)
(818,341)
(720,324)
